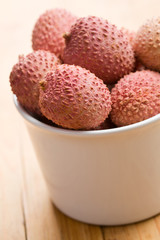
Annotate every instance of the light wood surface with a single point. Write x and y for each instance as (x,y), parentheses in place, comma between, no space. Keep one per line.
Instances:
(26,212)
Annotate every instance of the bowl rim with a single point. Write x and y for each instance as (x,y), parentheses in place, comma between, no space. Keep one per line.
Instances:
(34,121)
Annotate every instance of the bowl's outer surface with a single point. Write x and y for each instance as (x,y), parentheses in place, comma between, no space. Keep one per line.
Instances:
(106,177)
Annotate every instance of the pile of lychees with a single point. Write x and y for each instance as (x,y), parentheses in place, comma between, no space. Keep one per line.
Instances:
(85,73)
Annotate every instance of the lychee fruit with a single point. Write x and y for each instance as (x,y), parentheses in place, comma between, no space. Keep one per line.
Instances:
(74,98)
(135,97)
(26,74)
(49,29)
(147,44)
(97,45)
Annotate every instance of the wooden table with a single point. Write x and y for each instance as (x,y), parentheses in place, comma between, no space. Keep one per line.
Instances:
(26,211)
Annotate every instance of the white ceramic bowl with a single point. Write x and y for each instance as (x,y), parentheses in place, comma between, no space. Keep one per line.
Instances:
(105,177)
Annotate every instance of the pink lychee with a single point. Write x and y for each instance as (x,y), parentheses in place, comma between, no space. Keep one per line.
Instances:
(147,44)
(97,45)
(49,29)
(25,77)
(136,97)
(74,98)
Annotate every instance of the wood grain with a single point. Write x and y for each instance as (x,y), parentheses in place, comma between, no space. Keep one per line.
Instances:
(26,212)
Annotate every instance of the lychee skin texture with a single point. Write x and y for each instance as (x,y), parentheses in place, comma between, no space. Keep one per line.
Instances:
(130,35)
(147,44)
(49,29)
(74,98)
(136,97)
(25,77)
(97,45)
